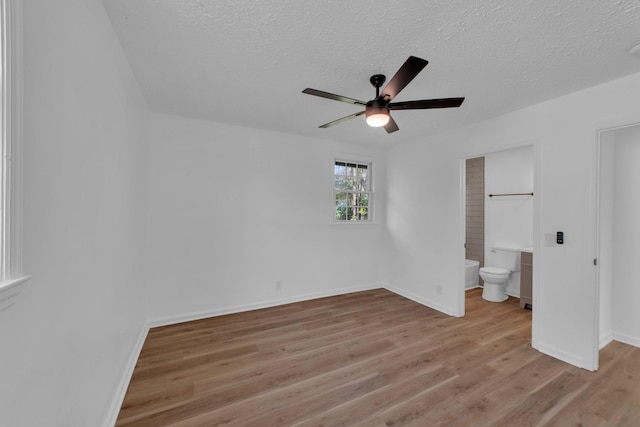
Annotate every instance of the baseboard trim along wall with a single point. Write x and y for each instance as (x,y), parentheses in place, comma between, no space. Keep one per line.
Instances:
(116,403)
(420,300)
(560,355)
(627,339)
(170,320)
(604,340)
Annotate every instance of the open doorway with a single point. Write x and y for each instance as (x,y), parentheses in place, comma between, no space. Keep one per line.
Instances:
(618,234)
(499,213)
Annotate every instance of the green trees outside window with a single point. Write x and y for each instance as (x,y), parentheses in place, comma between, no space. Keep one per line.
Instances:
(352,191)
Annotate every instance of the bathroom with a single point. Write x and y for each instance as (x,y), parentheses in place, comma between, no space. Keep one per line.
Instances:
(499,223)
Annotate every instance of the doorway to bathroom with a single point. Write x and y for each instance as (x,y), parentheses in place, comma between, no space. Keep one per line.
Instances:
(498,199)
(618,235)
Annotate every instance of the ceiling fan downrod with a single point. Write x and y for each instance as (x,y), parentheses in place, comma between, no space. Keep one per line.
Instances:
(377,80)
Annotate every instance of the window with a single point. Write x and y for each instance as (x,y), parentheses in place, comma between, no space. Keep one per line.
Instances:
(352,191)
(10,146)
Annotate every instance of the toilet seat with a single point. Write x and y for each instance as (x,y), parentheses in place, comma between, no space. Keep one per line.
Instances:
(495,270)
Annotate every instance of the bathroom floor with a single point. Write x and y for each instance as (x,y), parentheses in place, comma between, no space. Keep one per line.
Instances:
(502,318)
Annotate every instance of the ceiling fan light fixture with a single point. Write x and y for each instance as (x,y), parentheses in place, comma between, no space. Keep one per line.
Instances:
(378,110)
(377,116)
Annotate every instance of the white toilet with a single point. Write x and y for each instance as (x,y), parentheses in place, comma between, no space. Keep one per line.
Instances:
(502,263)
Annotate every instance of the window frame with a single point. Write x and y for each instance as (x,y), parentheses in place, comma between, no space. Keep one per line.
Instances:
(11,132)
(359,160)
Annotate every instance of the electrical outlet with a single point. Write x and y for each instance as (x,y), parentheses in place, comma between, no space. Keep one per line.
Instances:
(279,285)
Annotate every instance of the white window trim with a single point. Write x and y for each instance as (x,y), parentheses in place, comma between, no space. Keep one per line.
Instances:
(11,274)
(340,157)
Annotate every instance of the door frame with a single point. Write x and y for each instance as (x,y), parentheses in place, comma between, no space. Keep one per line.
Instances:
(597,193)
(537,203)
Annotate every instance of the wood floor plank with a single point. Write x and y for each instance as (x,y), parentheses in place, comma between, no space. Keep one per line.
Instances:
(354,411)
(540,406)
(611,399)
(372,359)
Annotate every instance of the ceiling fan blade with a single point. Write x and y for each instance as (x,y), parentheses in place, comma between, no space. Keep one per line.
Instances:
(403,77)
(344,119)
(391,126)
(328,95)
(427,103)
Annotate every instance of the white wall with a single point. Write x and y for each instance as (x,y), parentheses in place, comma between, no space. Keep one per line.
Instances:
(425,238)
(422,202)
(508,220)
(234,210)
(68,338)
(605,258)
(626,236)
(218,241)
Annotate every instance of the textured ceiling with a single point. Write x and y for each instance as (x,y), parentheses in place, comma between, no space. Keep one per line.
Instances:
(246,61)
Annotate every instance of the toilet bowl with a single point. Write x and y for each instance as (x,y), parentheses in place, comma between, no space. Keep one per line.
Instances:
(503,261)
(495,283)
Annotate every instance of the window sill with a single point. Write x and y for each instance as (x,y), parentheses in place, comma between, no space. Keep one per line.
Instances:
(353,224)
(9,291)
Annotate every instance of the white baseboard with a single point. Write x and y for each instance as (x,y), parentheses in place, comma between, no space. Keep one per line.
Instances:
(197,315)
(116,403)
(560,355)
(604,339)
(424,301)
(627,339)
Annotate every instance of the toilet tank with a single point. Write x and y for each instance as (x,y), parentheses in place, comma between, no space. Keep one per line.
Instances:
(508,258)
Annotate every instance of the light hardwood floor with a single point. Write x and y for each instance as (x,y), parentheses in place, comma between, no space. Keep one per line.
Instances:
(373,359)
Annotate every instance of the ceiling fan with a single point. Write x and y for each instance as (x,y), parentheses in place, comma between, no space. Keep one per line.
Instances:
(377,111)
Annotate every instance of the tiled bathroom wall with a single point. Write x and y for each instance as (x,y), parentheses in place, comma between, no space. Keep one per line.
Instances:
(475,210)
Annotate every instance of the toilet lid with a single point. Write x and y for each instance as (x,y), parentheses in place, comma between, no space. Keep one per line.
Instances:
(495,270)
